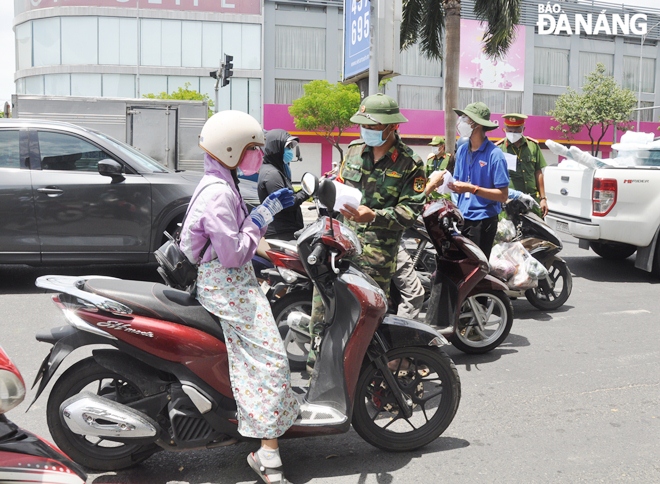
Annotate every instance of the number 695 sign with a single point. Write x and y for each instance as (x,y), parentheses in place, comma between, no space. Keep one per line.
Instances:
(356,37)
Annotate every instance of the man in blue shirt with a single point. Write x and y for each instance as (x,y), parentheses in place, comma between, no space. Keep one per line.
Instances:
(481,178)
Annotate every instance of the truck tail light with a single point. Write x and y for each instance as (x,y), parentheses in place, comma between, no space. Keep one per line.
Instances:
(604,196)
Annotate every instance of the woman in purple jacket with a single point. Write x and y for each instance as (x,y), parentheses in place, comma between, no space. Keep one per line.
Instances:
(227,286)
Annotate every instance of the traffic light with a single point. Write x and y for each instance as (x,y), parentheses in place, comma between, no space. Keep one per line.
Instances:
(214,74)
(227,67)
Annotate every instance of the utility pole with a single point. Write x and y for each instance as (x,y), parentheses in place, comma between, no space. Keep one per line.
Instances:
(222,75)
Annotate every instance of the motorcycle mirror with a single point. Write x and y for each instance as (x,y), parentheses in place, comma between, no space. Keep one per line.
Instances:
(298,157)
(327,194)
(309,183)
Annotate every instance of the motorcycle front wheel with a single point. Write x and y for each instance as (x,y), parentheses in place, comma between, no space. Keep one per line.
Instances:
(554,292)
(429,378)
(484,322)
(90,451)
(297,347)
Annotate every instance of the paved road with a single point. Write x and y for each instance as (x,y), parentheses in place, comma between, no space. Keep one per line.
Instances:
(572,396)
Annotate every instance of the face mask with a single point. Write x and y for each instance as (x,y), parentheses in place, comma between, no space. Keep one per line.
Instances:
(463,127)
(251,161)
(288,156)
(513,137)
(372,137)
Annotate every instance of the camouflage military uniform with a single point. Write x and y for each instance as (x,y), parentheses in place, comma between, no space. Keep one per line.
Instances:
(393,187)
(530,160)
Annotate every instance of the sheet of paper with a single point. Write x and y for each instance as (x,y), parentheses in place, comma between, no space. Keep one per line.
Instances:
(511,161)
(346,196)
(442,189)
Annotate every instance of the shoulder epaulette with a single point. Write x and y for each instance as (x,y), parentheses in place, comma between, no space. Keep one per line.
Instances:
(532,140)
(355,142)
(431,155)
(499,142)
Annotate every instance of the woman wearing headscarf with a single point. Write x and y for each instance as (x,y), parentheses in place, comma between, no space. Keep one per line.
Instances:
(274,175)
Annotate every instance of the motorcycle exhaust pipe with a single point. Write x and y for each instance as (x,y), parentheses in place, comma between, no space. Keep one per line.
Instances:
(90,414)
(298,322)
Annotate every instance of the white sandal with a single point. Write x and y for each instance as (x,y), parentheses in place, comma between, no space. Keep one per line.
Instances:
(270,475)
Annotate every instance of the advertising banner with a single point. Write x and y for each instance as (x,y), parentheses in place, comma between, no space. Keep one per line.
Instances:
(356,37)
(480,72)
(219,6)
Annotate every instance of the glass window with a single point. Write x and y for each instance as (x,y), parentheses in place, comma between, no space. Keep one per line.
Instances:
(20,86)
(239,94)
(299,48)
(420,97)
(231,43)
(550,66)
(631,74)
(207,86)
(211,44)
(57,85)
(491,98)
(24,45)
(250,55)
(645,114)
(413,63)
(171,35)
(152,85)
(118,85)
(287,90)
(109,40)
(80,40)
(10,152)
(150,42)
(86,85)
(65,152)
(46,41)
(143,162)
(176,82)
(588,61)
(513,102)
(191,47)
(128,41)
(34,85)
(254,98)
(543,103)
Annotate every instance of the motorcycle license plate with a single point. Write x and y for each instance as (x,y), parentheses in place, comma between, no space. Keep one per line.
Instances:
(562,227)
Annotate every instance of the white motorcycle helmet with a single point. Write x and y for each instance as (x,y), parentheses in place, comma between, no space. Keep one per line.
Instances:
(233,139)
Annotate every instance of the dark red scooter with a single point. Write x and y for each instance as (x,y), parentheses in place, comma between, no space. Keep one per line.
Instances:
(163,383)
(25,457)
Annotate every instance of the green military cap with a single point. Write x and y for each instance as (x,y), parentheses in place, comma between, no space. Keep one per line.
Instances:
(514,119)
(437,140)
(378,109)
(479,113)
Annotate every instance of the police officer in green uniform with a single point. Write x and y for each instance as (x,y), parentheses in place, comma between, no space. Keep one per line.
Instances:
(392,181)
(528,176)
(436,162)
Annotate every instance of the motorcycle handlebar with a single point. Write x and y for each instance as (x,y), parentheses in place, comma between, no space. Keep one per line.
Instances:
(315,256)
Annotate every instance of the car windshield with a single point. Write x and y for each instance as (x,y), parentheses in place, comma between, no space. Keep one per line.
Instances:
(140,161)
(641,157)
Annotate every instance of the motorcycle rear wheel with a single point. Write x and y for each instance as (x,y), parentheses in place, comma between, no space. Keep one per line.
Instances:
(562,285)
(94,452)
(484,322)
(296,350)
(430,380)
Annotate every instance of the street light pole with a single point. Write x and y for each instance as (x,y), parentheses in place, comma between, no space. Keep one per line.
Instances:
(639,94)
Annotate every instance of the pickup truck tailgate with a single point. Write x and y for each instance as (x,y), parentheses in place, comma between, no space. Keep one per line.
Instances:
(569,190)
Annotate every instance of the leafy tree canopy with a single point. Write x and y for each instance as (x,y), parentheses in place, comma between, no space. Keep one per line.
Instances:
(603,103)
(326,109)
(184,94)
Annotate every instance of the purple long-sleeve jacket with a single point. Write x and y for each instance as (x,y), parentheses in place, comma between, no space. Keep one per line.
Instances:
(220,213)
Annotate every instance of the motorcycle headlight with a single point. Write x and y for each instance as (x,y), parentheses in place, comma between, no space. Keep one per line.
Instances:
(12,391)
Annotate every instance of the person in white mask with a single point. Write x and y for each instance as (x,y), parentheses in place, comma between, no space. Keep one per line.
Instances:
(481,179)
(528,174)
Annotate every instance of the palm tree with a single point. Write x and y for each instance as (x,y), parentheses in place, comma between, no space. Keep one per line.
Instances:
(427,21)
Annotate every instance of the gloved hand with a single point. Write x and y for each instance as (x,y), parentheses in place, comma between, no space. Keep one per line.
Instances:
(527,199)
(514,194)
(273,204)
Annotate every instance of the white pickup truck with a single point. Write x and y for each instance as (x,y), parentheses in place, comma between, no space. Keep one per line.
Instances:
(612,206)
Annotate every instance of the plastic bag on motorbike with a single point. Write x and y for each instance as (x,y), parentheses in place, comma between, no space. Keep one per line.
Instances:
(516,253)
(506,231)
(535,269)
(500,266)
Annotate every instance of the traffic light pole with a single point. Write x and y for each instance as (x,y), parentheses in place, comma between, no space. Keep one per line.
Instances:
(223,74)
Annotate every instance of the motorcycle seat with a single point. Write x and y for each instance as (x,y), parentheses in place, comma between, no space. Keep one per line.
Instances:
(158,301)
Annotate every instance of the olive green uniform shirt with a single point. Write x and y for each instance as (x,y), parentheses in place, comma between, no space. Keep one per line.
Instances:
(393,187)
(529,161)
(433,163)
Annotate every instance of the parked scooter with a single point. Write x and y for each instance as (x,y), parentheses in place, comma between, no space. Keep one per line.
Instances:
(165,385)
(25,457)
(544,245)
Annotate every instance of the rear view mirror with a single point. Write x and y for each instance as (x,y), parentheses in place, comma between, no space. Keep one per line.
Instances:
(298,157)
(327,193)
(309,183)
(112,169)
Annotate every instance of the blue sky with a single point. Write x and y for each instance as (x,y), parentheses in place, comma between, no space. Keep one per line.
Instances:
(7,63)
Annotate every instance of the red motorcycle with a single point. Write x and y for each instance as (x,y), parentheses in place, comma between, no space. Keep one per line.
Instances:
(24,457)
(164,382)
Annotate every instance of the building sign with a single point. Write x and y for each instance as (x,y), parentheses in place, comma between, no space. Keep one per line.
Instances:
(357,17)
(221,6)
(479,71)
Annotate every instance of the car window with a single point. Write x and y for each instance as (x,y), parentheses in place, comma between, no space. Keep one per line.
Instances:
(61,151)
(10,154)
(141,162)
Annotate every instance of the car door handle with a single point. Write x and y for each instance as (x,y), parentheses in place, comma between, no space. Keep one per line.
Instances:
(51,192)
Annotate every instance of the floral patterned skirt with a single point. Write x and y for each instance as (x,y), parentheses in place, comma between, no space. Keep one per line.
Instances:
(259,369)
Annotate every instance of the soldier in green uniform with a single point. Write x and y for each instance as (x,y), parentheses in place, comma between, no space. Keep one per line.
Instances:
(528,176)
(436,162)
(392,181)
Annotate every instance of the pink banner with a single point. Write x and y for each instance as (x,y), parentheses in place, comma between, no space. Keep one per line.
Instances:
(221,6)
(480,72)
